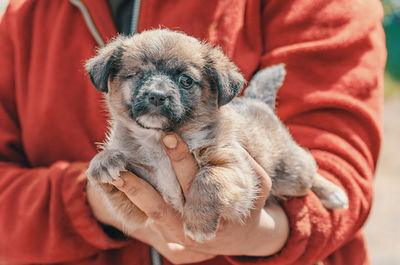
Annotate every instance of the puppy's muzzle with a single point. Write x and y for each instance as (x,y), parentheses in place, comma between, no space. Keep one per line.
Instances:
(157,99)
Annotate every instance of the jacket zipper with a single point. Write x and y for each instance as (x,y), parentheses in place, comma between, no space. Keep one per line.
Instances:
(88,20)
(135,17)
(155,257)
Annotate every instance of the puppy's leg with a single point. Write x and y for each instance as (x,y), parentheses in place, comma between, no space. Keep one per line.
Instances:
(297,174)
(106,166)
(331,196)
(220,190)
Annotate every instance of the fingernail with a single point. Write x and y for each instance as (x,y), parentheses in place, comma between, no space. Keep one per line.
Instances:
(170,141)
(119,182)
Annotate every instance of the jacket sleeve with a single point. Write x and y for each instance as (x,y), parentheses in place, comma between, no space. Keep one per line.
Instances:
(44,214)
(331,101)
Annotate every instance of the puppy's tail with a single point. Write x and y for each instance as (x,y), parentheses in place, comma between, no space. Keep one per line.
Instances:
(265,84)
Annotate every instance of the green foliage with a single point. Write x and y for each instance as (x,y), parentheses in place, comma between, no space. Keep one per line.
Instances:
(391,25)
(390,6)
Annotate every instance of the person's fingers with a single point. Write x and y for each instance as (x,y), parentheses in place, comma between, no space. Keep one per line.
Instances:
(265,181)
(182,161)
(142,194)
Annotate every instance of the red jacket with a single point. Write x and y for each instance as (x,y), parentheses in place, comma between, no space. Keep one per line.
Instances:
(51,117)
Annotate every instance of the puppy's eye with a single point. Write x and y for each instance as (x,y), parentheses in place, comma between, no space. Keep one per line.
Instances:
(186,81)
(129,76)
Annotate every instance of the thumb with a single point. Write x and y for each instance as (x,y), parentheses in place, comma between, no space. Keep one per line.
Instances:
(182,161)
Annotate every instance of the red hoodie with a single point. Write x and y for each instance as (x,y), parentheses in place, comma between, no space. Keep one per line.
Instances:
(51,117)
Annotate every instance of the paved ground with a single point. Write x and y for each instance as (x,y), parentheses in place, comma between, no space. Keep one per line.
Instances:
(383,226)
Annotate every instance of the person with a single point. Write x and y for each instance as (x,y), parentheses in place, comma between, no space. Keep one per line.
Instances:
(51,119)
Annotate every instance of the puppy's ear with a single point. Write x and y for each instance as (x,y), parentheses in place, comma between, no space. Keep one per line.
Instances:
(225,74)
(105,64)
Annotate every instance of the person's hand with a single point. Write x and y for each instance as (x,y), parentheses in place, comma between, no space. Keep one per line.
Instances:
(263,233)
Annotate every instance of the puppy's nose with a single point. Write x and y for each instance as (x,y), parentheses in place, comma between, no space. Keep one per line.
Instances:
(157,99)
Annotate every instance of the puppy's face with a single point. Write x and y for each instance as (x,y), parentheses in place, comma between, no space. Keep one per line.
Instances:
(160,79)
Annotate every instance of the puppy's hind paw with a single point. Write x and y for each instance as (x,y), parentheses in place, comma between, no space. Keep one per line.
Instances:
(199,224)
(336,200)
(331,196)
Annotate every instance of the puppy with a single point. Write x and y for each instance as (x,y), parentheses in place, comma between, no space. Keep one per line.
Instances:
(163,81)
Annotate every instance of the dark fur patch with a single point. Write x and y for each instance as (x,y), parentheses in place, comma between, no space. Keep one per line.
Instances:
(280,169)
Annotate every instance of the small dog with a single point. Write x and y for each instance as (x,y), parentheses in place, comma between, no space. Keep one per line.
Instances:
(163,81)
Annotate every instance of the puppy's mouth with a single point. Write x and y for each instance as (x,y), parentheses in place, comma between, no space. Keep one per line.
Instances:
(153,121)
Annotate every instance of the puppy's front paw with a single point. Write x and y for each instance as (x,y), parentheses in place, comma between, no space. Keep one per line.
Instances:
(106,166)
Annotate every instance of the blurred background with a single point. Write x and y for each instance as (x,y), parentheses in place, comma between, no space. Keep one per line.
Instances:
(383,226)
